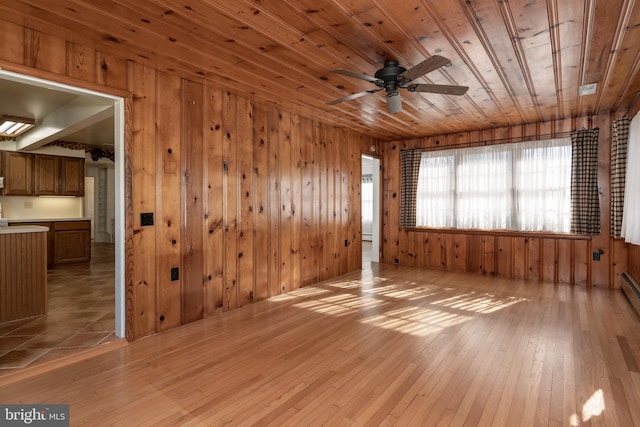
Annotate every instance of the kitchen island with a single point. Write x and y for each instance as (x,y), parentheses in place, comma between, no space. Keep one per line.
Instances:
(23,272)
(68,239)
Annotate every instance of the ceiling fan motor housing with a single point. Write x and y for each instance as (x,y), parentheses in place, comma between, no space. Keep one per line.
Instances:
(389,76)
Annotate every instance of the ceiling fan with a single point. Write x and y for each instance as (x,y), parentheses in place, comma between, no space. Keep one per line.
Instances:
(393,77)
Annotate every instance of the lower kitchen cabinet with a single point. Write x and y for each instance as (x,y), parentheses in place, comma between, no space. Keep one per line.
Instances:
(67,241)
(72,240)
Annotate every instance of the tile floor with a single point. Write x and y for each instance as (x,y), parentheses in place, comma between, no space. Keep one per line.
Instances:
(80,314)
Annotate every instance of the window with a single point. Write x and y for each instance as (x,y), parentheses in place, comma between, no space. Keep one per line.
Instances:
(523,186)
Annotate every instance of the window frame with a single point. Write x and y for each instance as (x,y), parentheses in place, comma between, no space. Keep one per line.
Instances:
(511,148)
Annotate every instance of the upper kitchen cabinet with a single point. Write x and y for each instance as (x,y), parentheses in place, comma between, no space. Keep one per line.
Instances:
(27,174)
(17,169)
(46,175)
(72,176)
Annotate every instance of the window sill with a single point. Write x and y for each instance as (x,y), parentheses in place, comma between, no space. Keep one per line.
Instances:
(500,233)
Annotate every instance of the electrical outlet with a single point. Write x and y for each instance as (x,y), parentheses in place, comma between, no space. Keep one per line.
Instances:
(28,205)
(146,219)
(175,274)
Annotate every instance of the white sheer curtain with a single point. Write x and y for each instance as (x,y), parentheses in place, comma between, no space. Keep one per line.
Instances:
(523,186)
(436,190)
(484,178)
(630,217)
(543,185)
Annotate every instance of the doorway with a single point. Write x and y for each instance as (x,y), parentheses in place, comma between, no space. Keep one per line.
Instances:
(117,110)
(370,211)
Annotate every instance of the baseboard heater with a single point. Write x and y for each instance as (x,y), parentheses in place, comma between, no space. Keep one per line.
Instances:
(631,289)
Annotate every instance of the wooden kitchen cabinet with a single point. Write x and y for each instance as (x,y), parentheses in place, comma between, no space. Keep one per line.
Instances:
(27,174)
(17,169)
(72,176)
(46,175)
(67,241)
(72,241)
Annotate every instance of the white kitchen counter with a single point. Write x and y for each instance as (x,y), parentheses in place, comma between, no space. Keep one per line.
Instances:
(19,220)
(23,229)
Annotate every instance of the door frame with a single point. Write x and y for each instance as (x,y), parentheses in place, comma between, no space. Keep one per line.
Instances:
(376,233)
(118,101)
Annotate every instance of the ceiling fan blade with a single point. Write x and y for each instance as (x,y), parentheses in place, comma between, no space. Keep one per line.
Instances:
(356,75)
(353,96)
(394,102)
(443,89)
(426,66)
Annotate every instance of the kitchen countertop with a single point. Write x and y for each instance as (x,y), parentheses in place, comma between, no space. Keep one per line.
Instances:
(23,229)
(18,220)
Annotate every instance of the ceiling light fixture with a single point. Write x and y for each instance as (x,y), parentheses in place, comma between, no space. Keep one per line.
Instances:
(12,126)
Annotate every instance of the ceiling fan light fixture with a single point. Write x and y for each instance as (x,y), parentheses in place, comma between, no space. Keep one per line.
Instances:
(12,126)
(394,102)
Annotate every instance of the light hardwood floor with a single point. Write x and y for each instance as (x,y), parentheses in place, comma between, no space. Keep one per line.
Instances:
(387,345)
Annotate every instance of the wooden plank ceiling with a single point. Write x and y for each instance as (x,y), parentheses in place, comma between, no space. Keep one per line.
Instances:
(523,60)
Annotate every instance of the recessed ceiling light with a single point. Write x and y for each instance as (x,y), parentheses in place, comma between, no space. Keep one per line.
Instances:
(589,89)
(11,126)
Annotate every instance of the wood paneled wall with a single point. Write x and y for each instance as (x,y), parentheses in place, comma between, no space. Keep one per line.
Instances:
(634,262)
(250,201)
(517,255)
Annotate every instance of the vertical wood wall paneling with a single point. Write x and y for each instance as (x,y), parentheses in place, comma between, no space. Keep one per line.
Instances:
(355,202)
(331,243)
(81,62)
(143,169)
(245,252)
(213,203)
(169,200)
(204,136)
(309,203)
(297,133)
(565,261)
(504,256)
(130,223)
(319,200)
(192,153)
(532,258)
(12,42)
(345,200)
(284,125)
(274,198)
(42,51)
(391,200)
(261,201)
(230,191)
(634,262)
(111,71)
